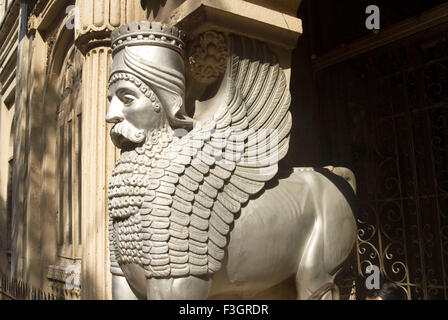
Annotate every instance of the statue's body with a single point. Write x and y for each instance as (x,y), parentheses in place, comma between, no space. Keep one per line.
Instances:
(259,256)
(206,212)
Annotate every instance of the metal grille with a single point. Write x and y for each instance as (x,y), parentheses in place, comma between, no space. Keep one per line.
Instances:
(12,289)
(384,114)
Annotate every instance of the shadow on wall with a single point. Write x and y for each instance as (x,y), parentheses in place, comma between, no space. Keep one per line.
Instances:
(3,237)
(304,146)
(34,182)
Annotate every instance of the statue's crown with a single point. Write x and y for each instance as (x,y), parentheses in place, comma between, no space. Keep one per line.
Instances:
(148,33)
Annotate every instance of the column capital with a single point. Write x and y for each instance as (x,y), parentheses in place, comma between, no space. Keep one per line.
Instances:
(97,19)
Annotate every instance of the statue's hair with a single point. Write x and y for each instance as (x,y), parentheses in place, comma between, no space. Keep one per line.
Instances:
(137,82)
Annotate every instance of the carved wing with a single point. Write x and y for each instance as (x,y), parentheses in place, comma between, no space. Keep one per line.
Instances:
(220,164)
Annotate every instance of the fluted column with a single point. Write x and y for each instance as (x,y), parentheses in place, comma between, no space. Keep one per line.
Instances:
(96,21)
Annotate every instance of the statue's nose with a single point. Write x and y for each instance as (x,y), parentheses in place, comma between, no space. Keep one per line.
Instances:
(114,112)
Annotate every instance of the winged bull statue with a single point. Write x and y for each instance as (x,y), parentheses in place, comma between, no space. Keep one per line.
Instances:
(197,205)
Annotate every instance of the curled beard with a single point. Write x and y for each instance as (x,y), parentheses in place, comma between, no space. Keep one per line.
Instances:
(131,192)
(125,136)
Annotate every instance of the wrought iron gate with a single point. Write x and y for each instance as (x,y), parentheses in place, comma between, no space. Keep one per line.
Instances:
(384,114)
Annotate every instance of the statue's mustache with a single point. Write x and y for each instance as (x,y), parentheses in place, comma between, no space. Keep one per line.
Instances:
(124,133)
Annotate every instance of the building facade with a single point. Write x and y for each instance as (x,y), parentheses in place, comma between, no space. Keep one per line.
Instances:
(373,102)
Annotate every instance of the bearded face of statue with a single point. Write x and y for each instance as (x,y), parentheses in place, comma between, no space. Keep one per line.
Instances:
(134,113)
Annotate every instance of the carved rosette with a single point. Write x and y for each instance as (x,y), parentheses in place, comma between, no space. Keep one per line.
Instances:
(208,56)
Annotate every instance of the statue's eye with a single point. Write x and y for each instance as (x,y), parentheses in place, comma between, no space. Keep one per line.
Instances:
(127,99)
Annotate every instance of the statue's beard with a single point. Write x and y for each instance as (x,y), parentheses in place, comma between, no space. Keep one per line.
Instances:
(125,136)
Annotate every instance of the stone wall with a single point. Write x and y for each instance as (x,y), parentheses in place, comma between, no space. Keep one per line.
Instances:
(8,70)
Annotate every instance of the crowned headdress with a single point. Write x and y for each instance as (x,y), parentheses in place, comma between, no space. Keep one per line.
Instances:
(150,34)
(151,54)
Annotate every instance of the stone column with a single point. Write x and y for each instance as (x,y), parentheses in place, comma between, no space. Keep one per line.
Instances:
(96,21)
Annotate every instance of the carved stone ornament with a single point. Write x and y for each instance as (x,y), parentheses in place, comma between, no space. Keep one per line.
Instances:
(208,56)
(191,215)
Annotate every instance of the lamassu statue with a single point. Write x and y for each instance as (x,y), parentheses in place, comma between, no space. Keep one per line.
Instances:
(197,205)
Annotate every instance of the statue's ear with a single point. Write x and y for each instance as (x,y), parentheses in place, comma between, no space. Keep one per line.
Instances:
(179,117)
(173,104)
(177,106)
